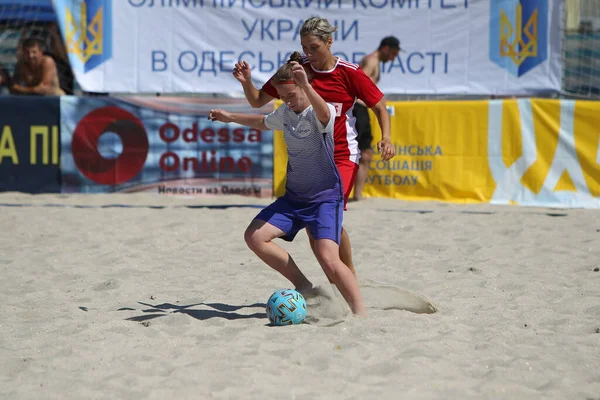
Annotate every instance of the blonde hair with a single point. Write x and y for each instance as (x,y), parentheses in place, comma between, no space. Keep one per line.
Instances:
(319,27)
(284,74)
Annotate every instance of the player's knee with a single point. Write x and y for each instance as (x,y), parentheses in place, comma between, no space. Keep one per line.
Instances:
(252,238)
(329,261)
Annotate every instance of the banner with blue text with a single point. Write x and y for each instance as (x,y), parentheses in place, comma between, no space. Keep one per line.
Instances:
(161,145)
(528,152)
(500,47)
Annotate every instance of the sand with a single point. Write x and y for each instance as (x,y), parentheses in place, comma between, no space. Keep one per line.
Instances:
(136,296)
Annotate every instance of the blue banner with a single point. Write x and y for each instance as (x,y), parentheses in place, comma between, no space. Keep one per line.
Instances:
(27,10)
(29,144)
(161,145)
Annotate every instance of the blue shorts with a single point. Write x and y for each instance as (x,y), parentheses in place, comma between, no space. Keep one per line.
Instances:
(323,220)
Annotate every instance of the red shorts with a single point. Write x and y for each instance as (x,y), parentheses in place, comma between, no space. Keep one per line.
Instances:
(347,170)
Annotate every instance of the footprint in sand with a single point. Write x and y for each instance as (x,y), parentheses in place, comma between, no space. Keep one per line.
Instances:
(106,285)
(388,297)
(327,307)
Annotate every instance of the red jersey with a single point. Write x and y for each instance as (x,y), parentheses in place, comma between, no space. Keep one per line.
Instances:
(340,87)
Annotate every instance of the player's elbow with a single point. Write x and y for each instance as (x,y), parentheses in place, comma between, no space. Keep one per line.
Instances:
(324,122)
(255,103)
(379,107)
(324,119)
(261,99)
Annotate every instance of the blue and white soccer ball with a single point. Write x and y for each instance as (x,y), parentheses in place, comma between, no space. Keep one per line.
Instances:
(286,307)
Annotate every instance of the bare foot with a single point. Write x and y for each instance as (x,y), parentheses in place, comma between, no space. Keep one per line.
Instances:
(361,313)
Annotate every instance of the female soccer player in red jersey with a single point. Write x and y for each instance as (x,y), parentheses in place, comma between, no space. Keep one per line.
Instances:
(340,83)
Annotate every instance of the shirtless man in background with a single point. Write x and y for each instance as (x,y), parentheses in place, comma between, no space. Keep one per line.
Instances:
(35,73)
(370,64)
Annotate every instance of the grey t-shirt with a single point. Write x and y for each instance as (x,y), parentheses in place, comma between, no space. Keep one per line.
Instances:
(311,171)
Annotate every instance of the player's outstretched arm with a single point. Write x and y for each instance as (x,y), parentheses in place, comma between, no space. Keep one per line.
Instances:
(256,98)
(252,121)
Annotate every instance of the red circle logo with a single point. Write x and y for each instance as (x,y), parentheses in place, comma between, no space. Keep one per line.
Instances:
(85,146)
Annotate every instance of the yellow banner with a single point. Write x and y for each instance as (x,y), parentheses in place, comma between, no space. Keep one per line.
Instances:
(527,151)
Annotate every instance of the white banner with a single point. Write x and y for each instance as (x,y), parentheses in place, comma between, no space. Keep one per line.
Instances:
(501,47)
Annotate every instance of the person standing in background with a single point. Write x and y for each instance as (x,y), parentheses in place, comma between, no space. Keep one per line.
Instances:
(371,65)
